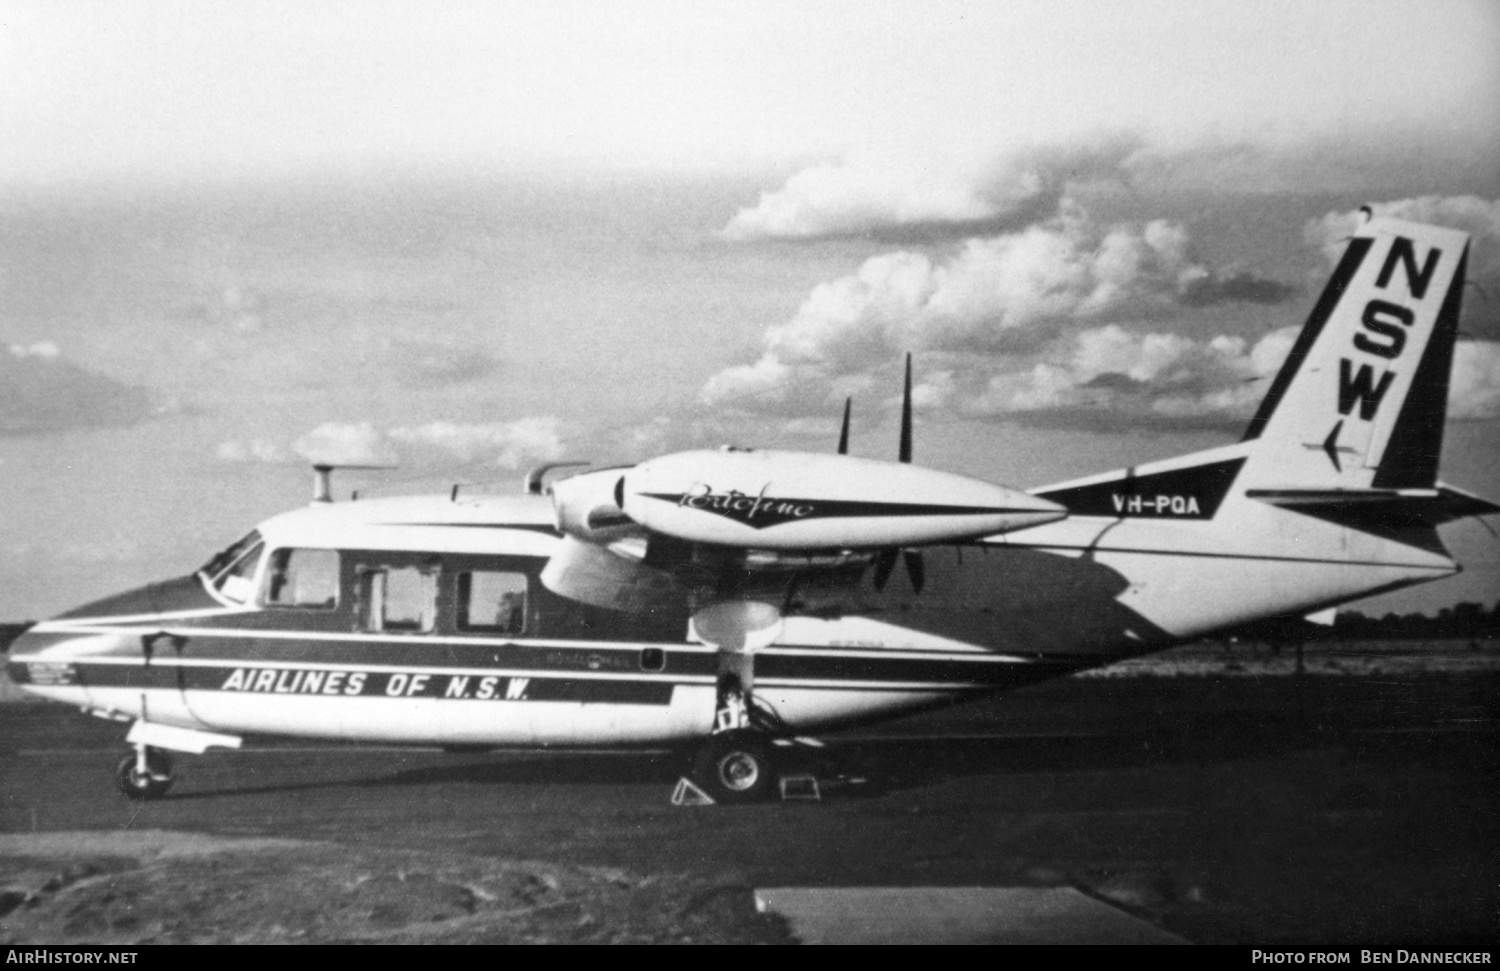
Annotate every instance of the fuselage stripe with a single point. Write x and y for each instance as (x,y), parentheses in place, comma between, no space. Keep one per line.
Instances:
(1202,554)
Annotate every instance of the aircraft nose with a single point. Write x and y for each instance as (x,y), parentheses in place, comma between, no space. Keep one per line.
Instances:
(30,663)
(22,643)
(61,664)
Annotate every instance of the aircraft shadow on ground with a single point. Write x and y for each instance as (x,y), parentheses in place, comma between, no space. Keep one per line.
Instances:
(911,763)
(498,768)
(886,764)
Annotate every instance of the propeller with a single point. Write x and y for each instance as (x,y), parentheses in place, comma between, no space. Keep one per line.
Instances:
(885,565)
(885,562)
(905,452)
(916,568)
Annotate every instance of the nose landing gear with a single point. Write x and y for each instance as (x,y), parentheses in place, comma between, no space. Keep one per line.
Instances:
(145,774)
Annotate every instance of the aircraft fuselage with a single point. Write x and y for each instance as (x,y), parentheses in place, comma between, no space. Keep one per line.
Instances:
(423,621)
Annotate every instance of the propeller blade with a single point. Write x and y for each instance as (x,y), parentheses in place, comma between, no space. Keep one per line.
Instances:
(790,597)
(884,564)
(905,454)
(916,569)
(844,431)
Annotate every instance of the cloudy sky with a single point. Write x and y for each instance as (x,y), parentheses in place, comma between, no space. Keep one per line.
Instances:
(465,238)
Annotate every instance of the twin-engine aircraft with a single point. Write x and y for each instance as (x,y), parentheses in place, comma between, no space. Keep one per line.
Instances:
(728,599)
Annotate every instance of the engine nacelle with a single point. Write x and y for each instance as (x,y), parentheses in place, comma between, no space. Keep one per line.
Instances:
(587,506)
(801,501)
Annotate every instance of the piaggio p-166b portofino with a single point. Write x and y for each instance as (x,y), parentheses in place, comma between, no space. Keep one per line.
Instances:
(723,599)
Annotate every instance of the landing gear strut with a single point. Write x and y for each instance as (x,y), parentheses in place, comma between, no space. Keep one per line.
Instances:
(145,774)
(734,764)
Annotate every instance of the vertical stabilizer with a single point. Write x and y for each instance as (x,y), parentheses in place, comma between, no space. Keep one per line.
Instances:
(1361,399)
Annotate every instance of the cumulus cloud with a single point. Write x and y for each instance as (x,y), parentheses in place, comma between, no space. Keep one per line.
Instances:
(506,444)
(40,393)
(46,350)
(509,445)
(1476,216)
(1112,377)
(1003,295)
(338,443)
(907,200)
(1040,326)
(1474,391)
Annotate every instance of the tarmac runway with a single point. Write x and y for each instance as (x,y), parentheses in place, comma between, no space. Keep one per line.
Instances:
(1330,810)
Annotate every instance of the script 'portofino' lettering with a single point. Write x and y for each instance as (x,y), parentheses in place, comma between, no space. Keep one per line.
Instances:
(741,505)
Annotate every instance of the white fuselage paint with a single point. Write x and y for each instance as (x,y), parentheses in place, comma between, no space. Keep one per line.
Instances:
(1180,578)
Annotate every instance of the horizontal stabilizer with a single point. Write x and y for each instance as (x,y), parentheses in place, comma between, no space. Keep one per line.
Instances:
(1387,509)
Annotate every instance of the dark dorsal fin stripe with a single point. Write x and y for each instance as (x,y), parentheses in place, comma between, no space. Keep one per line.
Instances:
(1322,310)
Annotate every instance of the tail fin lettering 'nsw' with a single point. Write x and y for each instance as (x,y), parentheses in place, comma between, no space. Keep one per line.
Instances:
(1361,399)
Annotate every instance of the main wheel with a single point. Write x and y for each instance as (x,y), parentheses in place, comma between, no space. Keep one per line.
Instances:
(151,784)
(735,767)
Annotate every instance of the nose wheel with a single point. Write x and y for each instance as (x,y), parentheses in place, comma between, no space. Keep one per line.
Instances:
(145,774)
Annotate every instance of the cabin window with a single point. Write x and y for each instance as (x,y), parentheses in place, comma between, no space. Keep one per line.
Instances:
(303,578)
(232,572)
(399,599)
(491,602)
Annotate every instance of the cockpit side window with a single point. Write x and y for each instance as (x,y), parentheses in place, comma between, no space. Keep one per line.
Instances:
(303,578)
(232,571)
(226,557)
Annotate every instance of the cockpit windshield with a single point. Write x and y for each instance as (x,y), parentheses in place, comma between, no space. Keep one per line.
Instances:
(232,570)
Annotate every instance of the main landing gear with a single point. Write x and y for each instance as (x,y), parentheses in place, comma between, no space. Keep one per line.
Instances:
(145,774)
(735,766)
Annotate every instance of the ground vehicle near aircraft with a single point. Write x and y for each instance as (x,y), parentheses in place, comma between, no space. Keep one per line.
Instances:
(726,598)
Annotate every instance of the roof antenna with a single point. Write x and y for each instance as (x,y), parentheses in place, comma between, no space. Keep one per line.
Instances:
(323,475)
(322,484)
(844,431)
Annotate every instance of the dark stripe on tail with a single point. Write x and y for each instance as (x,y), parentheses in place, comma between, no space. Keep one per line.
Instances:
(1322,310)
(1411,457)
